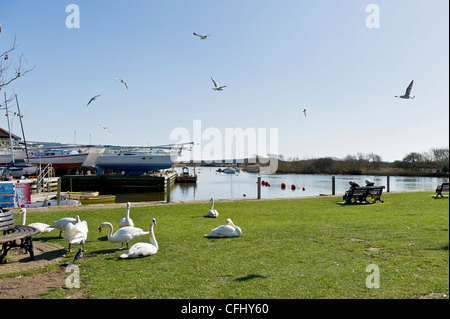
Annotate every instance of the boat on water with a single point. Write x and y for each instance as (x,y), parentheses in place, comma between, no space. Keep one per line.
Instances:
(229,170)
(135,162)
(59,158)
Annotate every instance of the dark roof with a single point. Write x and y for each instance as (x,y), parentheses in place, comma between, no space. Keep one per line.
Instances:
(4,134)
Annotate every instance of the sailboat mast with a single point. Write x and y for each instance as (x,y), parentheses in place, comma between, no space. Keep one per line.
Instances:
(9,129)
(21,125)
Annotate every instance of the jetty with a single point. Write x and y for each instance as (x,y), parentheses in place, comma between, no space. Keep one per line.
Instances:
(117,183)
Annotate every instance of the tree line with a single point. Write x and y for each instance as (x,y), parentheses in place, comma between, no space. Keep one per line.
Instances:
(432,163)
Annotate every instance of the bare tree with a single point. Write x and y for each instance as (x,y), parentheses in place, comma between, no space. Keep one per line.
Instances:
(12,68)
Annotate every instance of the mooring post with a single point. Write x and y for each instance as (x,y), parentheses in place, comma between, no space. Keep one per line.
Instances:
(168,190)
(58,192)
(259,187)
(333,185)
(388,182)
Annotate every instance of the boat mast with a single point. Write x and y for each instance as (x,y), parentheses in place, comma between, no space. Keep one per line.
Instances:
(9,129)
(21,125)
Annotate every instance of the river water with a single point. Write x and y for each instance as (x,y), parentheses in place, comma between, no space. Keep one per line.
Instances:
(212,184)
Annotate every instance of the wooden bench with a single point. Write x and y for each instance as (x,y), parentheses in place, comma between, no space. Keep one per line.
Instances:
(13,233)
(441,188)
(360,194)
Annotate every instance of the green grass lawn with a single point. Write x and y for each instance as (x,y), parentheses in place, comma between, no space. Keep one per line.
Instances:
(298,248)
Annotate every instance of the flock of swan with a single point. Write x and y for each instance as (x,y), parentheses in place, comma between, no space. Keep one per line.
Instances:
(76,232)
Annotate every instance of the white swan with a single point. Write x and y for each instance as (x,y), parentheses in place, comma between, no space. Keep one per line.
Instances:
(76,234)
(143,249)
(62,223)
(126,221)
(212,212)
(43,228)
(228,230)
(123,235)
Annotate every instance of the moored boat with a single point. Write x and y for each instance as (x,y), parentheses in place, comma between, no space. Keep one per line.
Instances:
(99,199)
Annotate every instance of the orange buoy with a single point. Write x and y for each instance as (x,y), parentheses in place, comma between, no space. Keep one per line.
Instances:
(283,185)
(303,189)
(292,186)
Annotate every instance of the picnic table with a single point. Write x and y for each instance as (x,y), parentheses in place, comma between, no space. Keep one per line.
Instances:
(15,235)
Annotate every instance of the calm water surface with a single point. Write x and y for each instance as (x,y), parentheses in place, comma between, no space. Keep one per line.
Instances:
(211,184)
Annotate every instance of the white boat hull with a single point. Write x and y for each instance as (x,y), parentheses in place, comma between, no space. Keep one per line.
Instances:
(134,162)
(60,161)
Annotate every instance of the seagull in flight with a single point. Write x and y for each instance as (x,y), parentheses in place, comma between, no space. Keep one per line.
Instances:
(123,82)
(408,92)
(217,87)
(304,111)
(104,127)
(93,99)
(202,37)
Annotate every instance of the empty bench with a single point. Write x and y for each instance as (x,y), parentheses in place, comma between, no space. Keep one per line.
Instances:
(360,194)
(15,235)
(441,188)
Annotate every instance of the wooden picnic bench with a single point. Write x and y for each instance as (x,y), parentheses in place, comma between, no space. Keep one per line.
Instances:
(360,194)
(13,233)
(441,188)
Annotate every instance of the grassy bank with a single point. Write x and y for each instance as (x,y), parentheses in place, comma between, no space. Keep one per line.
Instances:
(298,248)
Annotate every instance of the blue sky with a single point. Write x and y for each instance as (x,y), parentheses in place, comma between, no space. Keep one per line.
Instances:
(275,57)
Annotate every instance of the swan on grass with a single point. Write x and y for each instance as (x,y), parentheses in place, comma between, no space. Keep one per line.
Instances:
(123,235)
(212,212)
(143,249)
(76,234)
(62,223)
(126,221)
(228,230)
(43,228)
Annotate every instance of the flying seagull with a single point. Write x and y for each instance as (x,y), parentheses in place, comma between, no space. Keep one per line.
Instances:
(202,37)
(78,256)
(104,127)
(304,111)
(123,82)
(217,87)
(93,99)
(408,92)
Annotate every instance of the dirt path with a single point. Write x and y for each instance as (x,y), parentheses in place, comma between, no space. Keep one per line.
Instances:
(32,286)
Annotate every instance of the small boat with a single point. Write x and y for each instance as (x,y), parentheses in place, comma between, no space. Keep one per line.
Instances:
(59,158)
(99,199)
(229,170)
(54,202)
(186,177)
(79,194)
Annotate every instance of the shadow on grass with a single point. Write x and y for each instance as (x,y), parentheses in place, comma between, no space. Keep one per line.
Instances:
(249,277)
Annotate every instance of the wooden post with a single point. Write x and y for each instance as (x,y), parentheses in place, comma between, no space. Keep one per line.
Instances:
(168,190)
(388,182)
(259,187)
(333,185)
(58,192)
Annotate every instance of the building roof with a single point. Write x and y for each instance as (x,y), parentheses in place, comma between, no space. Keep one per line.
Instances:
(4,134)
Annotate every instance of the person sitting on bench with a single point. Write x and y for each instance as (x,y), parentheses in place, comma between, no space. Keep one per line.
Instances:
(349,194)
(369,182)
